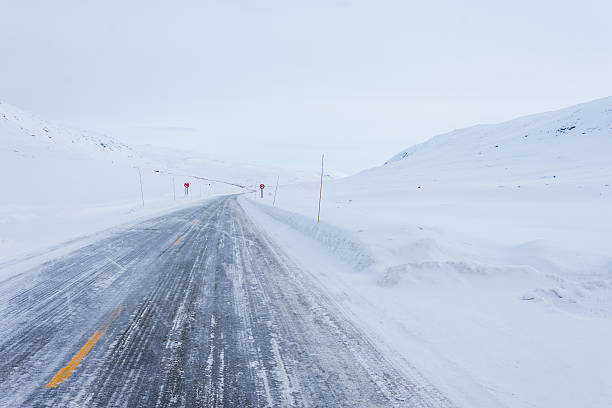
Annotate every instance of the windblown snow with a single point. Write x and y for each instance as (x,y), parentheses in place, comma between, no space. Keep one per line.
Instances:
(483,256)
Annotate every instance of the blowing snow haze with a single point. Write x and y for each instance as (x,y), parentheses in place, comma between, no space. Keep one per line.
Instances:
(170,235)
(280,82)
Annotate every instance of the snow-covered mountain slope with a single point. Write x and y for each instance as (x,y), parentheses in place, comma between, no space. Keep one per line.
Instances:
(26,131)
(536,146)
(489,252)
(58,182)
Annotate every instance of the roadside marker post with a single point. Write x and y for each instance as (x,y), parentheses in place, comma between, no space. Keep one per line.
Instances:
(320,190)
(275,190)
(141,192)
(261,187)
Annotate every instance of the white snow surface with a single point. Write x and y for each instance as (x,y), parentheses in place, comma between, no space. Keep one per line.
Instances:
(58,182)
(481,258)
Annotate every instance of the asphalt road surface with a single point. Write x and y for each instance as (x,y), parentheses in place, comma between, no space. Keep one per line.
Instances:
(195,308)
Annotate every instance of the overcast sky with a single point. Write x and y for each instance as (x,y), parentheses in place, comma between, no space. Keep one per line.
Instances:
(282,81)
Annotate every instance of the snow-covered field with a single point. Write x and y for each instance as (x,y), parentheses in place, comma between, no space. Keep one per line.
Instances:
(58,182)
(482,257)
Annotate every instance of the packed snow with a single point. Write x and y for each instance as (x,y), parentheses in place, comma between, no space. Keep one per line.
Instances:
(482,257)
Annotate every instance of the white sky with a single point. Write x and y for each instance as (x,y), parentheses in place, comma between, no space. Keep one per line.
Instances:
(281,81)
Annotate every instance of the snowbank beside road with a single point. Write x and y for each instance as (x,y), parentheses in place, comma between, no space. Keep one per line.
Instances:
(484,334)
(489,257)
(345,245)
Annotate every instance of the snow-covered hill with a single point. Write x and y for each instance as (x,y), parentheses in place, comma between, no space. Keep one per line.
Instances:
(485,256)
(58,182)
(536,146)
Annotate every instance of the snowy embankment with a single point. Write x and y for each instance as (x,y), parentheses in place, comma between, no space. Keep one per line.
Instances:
(59,183)
(483,257)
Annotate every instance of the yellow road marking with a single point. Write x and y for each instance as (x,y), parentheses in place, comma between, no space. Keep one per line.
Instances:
(181,237)
(63,374)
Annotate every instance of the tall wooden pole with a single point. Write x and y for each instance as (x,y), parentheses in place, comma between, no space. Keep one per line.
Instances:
(275,190)
(320,189)
(141,192)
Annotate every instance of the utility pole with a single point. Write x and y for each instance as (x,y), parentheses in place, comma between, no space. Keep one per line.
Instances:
(275,189)
(141,192)
(320,189)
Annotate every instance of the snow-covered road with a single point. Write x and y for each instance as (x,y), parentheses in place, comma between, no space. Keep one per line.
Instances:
(195,308)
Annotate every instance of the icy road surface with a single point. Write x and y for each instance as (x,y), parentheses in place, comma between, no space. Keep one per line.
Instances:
(196,308)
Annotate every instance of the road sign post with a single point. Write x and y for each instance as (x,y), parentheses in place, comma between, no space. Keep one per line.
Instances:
(261,187)
(186,188)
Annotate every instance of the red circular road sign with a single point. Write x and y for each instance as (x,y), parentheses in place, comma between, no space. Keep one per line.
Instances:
(186,185)
(262,186)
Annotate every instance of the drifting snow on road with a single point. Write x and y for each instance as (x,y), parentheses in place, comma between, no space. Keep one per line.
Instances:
(206,311)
